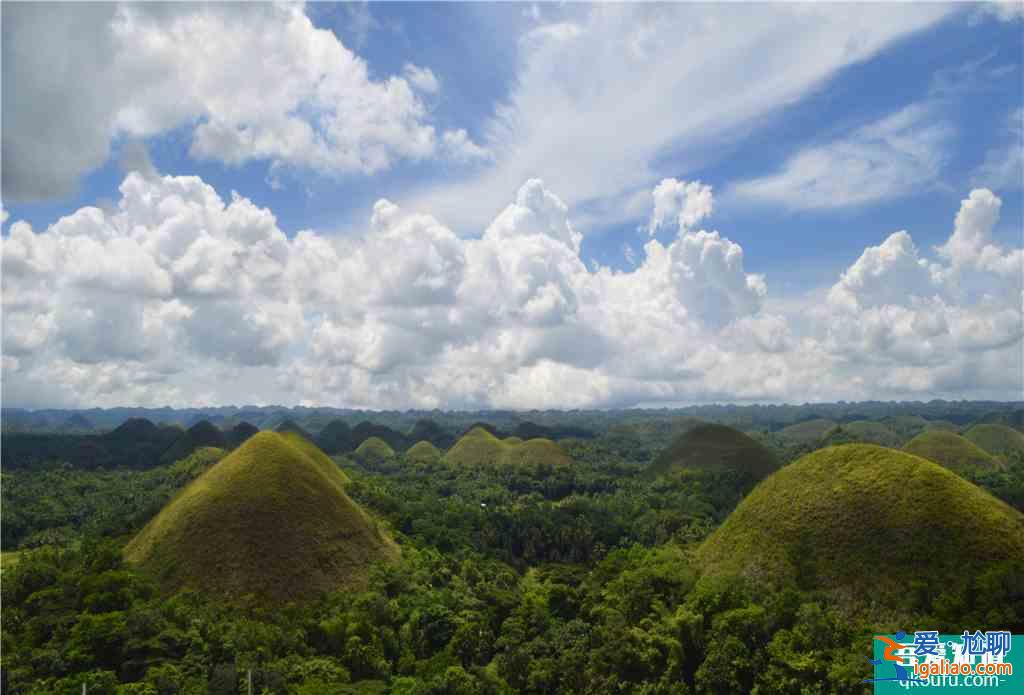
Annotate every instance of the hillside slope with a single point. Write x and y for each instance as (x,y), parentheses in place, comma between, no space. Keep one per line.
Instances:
(864,519)
(952,451)
(709,446)
(267,520)
(480,447)
(996,439)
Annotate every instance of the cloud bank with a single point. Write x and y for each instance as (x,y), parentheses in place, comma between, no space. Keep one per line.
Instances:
(178,296)
(248,81)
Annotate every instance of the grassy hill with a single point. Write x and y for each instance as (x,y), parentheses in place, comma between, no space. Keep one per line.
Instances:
(864,520)
(315,454)
(480,447)
(374,450)
(808,432)
(240,432)
(952,451)
(1012,418)
(710,446)
(996,439)
(267,520)
(393,438)
(423,452)
(292,426)
(335,437)
(870,432)
(429,431)
(202,434)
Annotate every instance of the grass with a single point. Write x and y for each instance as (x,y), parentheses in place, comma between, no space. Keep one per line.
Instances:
(871,432)
(480,447)
(423,452)
(374,450)
(808,432)
(270,520)
(863,519)
(715,447)
(951,451)
(316,454)
(996,439)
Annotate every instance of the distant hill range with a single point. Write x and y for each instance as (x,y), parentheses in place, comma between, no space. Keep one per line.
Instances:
(137,443)
(558,423)
(141,437)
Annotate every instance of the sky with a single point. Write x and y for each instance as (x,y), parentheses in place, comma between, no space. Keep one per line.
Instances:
(510,205)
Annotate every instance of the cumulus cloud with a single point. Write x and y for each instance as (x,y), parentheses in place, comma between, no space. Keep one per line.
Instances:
(178,295)
(889,158)
(257,82)
(684,204)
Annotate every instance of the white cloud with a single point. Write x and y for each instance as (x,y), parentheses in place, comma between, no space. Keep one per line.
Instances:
(1005,10)
(176,294)
(681,203)
(458,146)
(258,82)
(608,97)
(422,79)
(899,154)
(1003,166)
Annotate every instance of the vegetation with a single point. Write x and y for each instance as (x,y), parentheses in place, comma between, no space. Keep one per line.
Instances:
(268,520)
(716,447)
(864,431)
(996,439)
(951,451)
(423,452)
(808,431)
(56,504)
(374,450)
(536,578)
(202,434)
(480,447)
(840,519)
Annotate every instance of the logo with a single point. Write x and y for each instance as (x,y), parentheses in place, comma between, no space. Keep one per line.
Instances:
(946,663)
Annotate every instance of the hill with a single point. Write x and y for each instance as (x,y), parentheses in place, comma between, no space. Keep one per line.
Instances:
(76,424)
(423,452)
(199,435)
(135,429)
(710,446)
(429,431)
(394,439)
(951,451)
(267,520)
(808,431)
(316,454)
(996,439)
(292,426)
(481,447)
(1012,418)
(870,432)
(335,437)
(240,432)
(529,430)
(841,518)
(374,450)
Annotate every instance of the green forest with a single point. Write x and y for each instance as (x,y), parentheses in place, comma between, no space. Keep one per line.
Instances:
(675,553)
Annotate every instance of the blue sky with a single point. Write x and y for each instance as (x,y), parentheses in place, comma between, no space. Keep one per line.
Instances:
(820,133)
